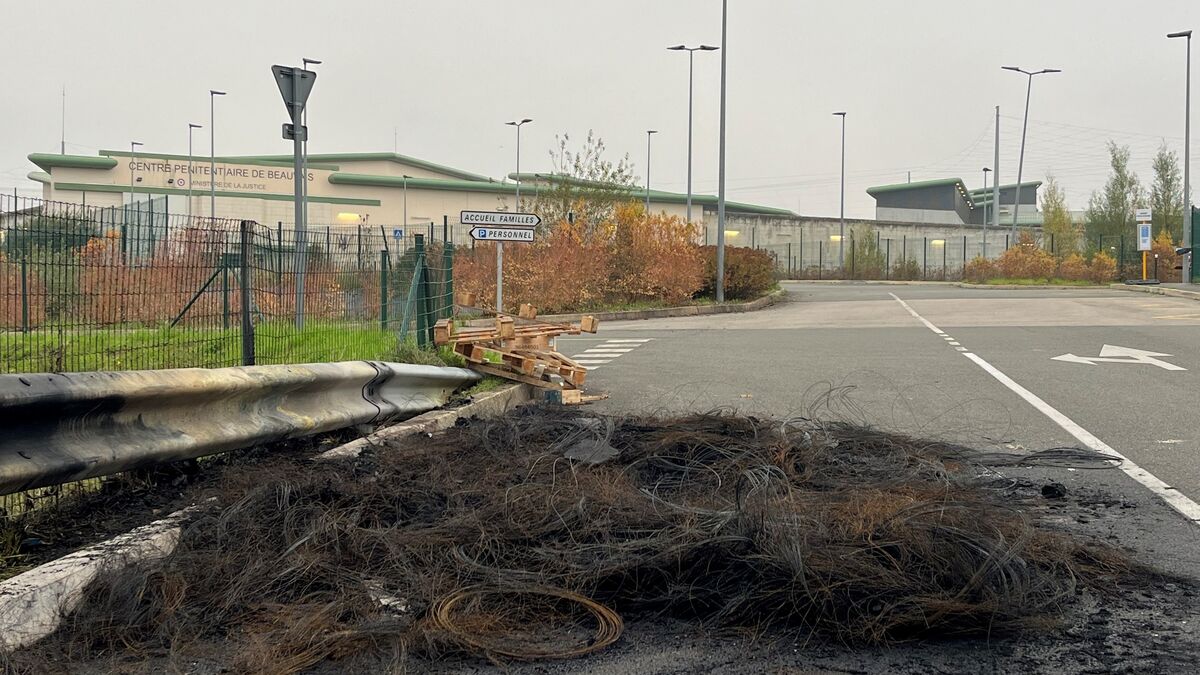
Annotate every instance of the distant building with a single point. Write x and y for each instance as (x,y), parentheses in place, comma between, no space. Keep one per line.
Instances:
(947,201)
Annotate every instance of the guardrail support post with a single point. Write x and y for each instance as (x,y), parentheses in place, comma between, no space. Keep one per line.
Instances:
(247,282)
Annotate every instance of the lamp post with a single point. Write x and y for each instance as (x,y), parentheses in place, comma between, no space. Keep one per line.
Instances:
(842,217)
(691,61)
(720,280)
(191,128)
(212,152)
(516,209)
(304,148)
(1024,128)
(649,133)
(986,171)
(1187,141)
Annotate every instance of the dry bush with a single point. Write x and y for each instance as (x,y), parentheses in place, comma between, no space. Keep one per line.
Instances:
(1164,247)
(748,272)
(906,269)
(1103,268)
(457,542)
(979,269)
(632,258)
(1074,268)
(1026,260)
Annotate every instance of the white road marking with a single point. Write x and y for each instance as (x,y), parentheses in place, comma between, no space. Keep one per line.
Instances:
(623,340)
(952,342)
(607,351)
(1173,497)
(592,361)
(961,349)
(593,350)
(1115,354)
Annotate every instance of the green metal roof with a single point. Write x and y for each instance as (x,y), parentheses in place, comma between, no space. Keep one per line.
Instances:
(900,187)
(377,156)
(659,195)
(224,160)
(46,161)
(342,178)
(39,176)
(985,195)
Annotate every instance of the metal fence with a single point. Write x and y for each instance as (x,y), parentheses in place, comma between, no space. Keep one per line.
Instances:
(87,288)
(923,258)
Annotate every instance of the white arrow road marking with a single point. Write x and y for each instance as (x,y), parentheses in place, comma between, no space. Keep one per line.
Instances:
(1115,354)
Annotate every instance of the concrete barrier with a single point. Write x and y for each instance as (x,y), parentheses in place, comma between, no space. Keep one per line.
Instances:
(58,428)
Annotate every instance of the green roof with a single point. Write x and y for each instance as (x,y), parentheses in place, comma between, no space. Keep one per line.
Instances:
(46,161)
(39,176)
(659,195)
(900,187)
(982,196)
(377,156)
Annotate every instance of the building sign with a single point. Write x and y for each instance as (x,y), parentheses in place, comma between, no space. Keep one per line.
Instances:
(173,173)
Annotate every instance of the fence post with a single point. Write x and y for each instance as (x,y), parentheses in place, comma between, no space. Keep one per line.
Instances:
(279,256)
(820,258)
(904,249)
(852,257)
(925,259)
(945,247)
(887,262)
(224,263)
(24,295)
(383,288)
(964,265)
(789,260)
(1053,250)
(422,291)
(1006,242)
(448,274)
(248,356)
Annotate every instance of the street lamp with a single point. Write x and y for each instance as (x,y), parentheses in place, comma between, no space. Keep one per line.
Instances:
(1024,128)
(1187,139)
(212,152)
(191,127)
(304,149)
(691,54)
(986,171)
(842,217)
(720,280)
(649,133)
(517,209)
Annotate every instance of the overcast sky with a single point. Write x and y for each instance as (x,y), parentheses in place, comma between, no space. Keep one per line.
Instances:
(919,80)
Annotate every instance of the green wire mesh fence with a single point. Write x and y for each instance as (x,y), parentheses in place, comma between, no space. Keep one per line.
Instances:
(86,288)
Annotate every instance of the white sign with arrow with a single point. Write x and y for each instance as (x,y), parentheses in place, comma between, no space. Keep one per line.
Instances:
(1115,354)
(502,233)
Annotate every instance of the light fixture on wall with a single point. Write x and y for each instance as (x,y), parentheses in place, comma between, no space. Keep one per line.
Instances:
(347,217)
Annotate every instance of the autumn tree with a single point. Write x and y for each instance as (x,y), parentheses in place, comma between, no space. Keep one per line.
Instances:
(1057,227)
(1166,194)
(584,183)
(1111,211)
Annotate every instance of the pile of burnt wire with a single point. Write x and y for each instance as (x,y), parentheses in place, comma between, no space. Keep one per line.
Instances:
(540,533)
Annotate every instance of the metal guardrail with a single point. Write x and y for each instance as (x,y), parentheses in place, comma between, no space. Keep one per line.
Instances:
(59,428)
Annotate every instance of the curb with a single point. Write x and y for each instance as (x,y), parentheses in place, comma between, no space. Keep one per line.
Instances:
(1158,290)
(661,313)
(490,403)
(34,602)
(958,284)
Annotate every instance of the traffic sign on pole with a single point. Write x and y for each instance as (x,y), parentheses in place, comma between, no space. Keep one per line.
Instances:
(517,234)
(500,218)
(295,94)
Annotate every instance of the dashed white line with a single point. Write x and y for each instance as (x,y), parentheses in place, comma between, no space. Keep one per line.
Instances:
(606,350)
(631,340)
(1173,497)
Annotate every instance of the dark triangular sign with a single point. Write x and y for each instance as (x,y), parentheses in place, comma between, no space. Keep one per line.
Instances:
(283,78)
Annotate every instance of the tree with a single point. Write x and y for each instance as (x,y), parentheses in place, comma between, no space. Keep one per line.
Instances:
(1057,228)
(1166,194)
(1111,212)
(584,183)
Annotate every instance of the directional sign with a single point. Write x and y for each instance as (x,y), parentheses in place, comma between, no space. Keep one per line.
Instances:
(1115,354)
(283,77)
(500,218)
(1144,215)
(517,234)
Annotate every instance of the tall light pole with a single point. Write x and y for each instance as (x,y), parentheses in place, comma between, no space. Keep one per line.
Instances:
(133,146)
(691,61)
(995,185)
(1024,128)
(720,280)
(649,133)
(212,152)
(1187,143)
(842,217)
(516,209)
(304,148)
(986,171)
(191,128)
